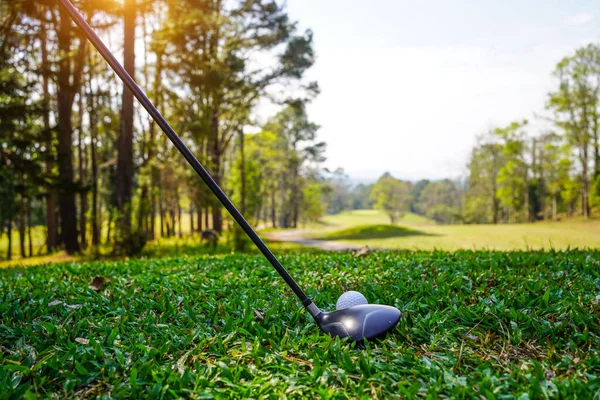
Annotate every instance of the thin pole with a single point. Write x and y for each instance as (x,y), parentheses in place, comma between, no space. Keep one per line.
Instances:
(183,149)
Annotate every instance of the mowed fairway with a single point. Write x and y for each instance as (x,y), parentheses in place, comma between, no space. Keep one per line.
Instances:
(474,325)
(371,227)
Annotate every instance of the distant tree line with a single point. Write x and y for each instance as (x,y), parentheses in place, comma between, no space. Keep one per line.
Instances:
(80,157)
(515,174)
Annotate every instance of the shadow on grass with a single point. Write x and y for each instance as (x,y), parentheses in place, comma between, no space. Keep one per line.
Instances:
(373,232)
(190,247)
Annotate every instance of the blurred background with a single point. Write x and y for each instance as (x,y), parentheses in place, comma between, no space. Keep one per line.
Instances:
(396,125)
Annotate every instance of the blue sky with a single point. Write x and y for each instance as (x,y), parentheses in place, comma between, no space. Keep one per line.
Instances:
(407,85)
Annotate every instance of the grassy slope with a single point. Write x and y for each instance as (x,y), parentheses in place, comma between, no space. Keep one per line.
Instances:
(369,227)
(474,324)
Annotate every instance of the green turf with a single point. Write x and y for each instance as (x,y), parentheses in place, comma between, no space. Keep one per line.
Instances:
(362,232)
(474,324)
(370,228)
(369,217)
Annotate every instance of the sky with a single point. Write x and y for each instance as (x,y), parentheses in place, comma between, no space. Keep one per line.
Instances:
(407,85)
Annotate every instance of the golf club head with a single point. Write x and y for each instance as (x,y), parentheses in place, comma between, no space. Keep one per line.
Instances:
(361,322)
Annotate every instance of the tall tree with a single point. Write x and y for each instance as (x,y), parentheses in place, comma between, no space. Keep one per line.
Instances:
(214,48)
(297,137)
(51,240)
(575,103)
(512,180)
(70,69)
(482,204)
(124,181)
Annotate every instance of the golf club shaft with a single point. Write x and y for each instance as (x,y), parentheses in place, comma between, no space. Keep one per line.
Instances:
(184,150)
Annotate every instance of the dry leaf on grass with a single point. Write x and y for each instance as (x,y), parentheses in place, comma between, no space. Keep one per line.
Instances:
(365,251)
(82,340)
(472,337)
(54,303)
(97,283)
(259,315)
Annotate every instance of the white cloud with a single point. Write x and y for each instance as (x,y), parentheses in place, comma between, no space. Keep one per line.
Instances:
(581,18)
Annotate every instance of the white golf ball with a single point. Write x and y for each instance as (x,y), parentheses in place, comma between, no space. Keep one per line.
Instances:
(349,299)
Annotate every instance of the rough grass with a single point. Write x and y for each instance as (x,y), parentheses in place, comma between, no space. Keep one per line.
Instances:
(474,324)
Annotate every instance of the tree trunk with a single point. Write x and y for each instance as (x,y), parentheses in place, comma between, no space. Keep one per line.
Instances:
(29,227)
(124,182)
(215,156)
(191,213)
(94,133)
(110,223)
(152,145)
(585,190)
(22,227)
(206,217)
(295,197)
(242,174)
(161,212)
(171,228)
(273,209)
(596,149)
(143,208)
(554,201)
(9,231)
(199,219)
(65,97)
(82,193)
(49,162)
(179,216)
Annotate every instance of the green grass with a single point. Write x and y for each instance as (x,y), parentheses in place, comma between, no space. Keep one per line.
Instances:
(474,324)
(558,235)
(362,232)
(368,217)
(371,228)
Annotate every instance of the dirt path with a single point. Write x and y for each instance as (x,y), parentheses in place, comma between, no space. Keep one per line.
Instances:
(295,236)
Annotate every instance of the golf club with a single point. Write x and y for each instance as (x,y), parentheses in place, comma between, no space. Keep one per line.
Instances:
(360,322)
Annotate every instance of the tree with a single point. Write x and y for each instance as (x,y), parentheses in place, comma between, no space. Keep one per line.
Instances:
(296,137)
(124,190)
(554,165)
(575,104)
(337,191)
(512,181)
(392,196)
(440,201)
(20,156)
(417,189)
(213,46)
(482,204)
(70,68)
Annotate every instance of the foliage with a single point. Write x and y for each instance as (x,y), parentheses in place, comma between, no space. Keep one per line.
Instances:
(474,324)
(576,105)
(392,196)
(440,201)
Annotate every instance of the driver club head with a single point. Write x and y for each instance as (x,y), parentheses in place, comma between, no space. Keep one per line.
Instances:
(361,322)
